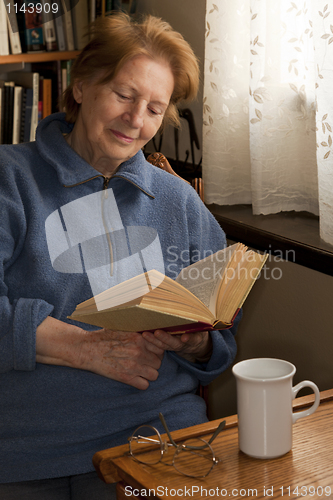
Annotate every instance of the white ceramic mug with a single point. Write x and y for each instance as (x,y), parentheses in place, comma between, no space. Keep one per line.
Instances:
(264,406)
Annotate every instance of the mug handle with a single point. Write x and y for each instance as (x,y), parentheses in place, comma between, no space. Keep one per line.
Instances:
(312,409)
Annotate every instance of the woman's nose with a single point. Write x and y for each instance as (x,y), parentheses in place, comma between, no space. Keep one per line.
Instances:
(135,115)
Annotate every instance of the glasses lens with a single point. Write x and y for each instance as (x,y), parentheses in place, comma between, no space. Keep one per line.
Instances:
(194,462)
(146,445)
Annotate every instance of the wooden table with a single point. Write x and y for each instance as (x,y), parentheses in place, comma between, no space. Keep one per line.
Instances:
(305,472)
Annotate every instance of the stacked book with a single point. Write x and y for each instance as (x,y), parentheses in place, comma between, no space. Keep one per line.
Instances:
(30,26)
(25,99)
(49,25)
(19,107)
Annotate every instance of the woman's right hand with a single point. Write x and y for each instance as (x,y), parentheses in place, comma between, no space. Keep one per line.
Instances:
(123,356)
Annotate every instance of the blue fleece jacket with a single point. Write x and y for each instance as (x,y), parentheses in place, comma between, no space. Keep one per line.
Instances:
(53,418)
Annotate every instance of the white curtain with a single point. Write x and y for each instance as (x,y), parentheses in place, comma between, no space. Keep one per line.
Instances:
(268,106)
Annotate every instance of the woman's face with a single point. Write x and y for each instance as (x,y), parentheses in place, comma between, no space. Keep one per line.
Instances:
(118,118)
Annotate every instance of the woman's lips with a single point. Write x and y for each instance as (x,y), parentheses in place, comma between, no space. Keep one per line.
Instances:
(122,137)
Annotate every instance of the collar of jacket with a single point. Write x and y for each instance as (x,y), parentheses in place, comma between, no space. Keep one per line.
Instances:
(73,170)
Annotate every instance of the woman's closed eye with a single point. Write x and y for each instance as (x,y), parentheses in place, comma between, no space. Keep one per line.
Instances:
(123,97)
(155,112)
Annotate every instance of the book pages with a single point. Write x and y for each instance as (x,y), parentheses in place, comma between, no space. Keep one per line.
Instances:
(203,278)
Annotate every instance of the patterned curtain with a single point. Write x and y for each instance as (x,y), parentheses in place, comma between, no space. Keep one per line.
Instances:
(268,106)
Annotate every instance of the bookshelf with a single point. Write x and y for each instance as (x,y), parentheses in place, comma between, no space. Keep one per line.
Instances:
(39,57)
(35,80)
(41,76)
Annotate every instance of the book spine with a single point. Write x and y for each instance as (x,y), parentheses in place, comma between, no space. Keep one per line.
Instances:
(67,19)
(17,114)
(4,115)
(60,27)
(4,45)
(40,98)
(9,109)
(49,31)
(27,115)
(47,97)
(13,30)
(34,114)
(80,22)
(23,108)
(1,114)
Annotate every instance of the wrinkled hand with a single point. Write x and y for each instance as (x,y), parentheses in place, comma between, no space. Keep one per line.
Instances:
(191,346)
(123,356)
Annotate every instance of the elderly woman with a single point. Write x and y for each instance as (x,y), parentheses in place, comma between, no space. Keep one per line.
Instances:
(67,389)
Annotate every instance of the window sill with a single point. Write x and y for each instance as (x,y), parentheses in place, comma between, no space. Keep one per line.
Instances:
(293,236)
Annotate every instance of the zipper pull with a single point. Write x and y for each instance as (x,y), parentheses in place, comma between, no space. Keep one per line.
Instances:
(105,186)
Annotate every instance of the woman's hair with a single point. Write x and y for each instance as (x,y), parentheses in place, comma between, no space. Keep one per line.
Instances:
(116,39)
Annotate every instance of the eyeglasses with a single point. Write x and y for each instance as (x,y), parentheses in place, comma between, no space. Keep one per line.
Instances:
(193,458)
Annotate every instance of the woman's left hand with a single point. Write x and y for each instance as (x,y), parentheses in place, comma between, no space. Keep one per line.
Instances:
(195,347)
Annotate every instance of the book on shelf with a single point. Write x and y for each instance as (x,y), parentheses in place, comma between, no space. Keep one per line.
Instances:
(17,113)
(49,29)
(4,45)
(34,26)
(47,97)
(44,98)
(8,99)
(68,23)
(3,104)
(80,23)
(59,22)
(40,99)
(63,78)
(29,80)
(27,100)
(48,70)
(30,24)
(206,295)
(13,28)
(2,83)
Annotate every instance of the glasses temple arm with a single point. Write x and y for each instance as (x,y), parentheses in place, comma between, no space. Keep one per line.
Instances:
(166,429)
(217,431)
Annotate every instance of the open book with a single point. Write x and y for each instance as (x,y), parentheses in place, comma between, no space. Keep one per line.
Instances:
(205,295)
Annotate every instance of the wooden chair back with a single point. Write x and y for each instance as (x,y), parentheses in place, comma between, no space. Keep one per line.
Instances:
(160,161)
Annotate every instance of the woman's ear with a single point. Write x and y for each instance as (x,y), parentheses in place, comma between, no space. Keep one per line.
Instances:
(77,91)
